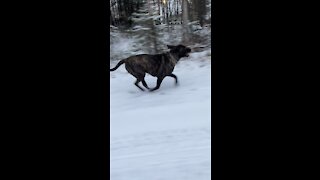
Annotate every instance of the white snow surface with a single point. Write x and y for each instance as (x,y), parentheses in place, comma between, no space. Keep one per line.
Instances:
(165,134)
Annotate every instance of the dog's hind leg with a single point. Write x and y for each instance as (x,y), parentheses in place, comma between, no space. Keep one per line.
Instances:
(136,83)
(140,77)
(174,76)
(145,84)
(159,81)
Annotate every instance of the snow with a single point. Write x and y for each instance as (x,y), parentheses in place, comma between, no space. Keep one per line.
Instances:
(165,134)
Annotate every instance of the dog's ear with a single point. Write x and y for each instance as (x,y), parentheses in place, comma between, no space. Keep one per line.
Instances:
(171,47)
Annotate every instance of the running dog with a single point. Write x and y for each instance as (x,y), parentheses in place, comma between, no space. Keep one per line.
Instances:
(158,65)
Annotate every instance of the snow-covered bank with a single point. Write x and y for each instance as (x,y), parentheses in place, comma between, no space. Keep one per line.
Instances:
(163,134)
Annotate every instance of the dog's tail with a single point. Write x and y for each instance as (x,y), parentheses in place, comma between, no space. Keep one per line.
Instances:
(118,65)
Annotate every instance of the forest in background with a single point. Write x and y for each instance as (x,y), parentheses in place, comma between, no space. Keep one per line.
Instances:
(165,134)
(147,26)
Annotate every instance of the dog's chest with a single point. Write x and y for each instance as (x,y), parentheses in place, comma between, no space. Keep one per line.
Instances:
(167,65)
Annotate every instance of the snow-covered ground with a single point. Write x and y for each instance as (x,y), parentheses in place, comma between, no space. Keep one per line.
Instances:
(165,134)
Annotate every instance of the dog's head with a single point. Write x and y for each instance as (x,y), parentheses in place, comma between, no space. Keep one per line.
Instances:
(180,50)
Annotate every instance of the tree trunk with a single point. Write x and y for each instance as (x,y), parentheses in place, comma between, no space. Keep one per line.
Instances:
(202,11)
(153,39)
(159,7)
(185,18)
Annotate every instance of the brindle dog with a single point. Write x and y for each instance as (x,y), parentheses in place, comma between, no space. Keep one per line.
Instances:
(158,65)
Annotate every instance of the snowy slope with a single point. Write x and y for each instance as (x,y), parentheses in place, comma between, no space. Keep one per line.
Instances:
(165,134)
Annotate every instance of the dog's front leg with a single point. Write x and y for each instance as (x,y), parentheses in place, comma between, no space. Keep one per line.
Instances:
(175,77)
(159,81)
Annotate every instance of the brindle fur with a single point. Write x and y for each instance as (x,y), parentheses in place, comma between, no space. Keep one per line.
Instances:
(158,65)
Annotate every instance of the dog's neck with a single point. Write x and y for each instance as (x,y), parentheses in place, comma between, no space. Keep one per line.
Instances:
(173,56)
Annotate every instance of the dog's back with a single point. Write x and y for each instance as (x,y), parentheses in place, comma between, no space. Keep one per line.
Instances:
(154,65)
